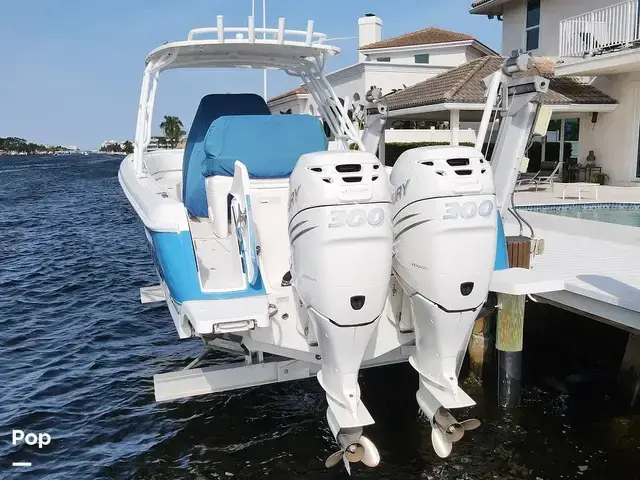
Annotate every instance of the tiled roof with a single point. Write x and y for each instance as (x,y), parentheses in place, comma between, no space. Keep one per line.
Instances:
(427,36)
(301,90)
(475,3)
(465,85)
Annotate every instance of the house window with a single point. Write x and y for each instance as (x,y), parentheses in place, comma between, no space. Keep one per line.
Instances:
(422,58)
(533,25)
(383,59)
(572,137)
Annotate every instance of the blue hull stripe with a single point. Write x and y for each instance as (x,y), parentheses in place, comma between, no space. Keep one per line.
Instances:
(175,262)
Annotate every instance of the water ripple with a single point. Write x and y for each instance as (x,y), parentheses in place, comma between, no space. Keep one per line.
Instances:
(78,352)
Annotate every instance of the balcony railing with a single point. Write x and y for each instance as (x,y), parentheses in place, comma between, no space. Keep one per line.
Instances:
(600,31)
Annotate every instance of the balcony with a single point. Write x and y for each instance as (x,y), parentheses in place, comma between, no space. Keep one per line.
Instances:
(601,42)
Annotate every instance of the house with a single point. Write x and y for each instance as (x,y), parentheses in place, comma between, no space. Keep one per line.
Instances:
(597,41)
(458,96)
(390,64)
(158,142)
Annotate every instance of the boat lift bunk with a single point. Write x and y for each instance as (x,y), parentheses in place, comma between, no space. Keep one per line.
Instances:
(303,237)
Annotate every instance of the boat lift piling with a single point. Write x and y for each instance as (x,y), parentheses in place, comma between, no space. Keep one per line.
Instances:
(629,376)
(510,328)
(481,346)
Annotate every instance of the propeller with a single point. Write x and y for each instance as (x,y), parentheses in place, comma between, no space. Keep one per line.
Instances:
(446,430)
(371,456)
(361,451)
(353,454)
(440,444)
(470,424)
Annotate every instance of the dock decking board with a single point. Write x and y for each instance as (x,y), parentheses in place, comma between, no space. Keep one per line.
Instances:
(599,261)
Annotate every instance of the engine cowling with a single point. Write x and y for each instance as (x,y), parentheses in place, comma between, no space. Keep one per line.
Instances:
(340,236)
(445,225)
(445,237)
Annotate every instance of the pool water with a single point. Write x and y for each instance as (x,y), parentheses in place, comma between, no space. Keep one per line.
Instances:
(620,215)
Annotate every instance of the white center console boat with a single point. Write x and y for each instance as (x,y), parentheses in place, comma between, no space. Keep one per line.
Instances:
(308,262)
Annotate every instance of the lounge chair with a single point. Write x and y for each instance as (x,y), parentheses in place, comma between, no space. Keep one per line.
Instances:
(546,175)
(527,179)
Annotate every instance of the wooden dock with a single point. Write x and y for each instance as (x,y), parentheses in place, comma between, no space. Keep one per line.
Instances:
(600,263)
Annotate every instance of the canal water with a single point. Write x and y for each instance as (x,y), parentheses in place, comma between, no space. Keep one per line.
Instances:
(78,352)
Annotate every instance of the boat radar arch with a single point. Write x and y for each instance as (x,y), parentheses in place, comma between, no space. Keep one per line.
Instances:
(221,46)
(300,53)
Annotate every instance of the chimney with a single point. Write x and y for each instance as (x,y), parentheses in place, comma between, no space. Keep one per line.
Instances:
(369,31)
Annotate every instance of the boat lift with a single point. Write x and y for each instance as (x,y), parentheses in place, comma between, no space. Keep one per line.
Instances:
(517,100)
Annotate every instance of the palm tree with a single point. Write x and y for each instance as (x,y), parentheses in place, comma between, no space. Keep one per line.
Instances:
(127,147)
(173,130)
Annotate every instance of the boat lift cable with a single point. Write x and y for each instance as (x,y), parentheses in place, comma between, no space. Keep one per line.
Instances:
(515,215)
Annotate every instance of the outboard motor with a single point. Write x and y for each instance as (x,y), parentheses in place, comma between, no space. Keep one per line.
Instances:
(445,237)
(340,236)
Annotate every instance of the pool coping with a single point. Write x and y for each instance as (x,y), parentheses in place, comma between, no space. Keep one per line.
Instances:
(538,207)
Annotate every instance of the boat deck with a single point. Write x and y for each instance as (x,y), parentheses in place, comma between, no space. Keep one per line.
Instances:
(600,262)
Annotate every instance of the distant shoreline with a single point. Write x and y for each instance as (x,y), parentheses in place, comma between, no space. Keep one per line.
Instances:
(58,154)
(25,154)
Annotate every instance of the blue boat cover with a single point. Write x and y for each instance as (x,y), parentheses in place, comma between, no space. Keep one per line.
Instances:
(269,146)
(211,107)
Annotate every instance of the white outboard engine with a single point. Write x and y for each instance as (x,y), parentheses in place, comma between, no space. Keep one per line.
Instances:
(341,238)
(445,237)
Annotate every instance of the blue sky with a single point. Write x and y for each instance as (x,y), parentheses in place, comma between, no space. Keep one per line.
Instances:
(71,69)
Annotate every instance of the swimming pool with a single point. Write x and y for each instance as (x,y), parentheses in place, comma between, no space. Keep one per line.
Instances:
(618,213)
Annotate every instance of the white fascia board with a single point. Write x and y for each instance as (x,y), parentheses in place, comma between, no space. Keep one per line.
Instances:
(484,49)
(410,48)
(287,99)
(350,71)
(464,106)
(384,67)
(584,108)
(438,107)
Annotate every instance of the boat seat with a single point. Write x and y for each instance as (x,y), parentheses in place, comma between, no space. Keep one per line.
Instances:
(211,107)
(269,146)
